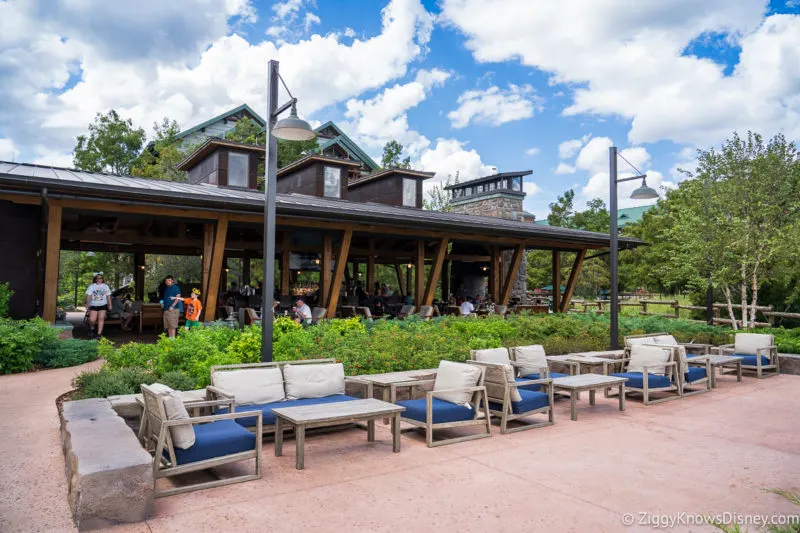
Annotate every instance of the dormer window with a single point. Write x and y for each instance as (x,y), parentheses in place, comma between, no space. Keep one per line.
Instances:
(333,182)
(238,169)
(409,192)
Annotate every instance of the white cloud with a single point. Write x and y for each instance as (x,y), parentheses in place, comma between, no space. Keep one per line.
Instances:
(495,106)
(569,148)
(205,71)
(449,156)
(630,62)
(309,20)
(432,78)
(530,152)
(349,32)
(530,188)
(288,9)
(564,168)
(8,152)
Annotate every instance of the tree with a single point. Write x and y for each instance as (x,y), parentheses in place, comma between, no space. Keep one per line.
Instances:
(112,145)
(562,210)
(159,160)
(438,197)
(250,132)
(391,156)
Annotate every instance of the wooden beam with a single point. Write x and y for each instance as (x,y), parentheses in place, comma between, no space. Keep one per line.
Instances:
(495,274)
(399,273)
(139,267)
(208,250)
(419,274)
(446,281)
(246,268)
(371,267)
(409,280)
(325,270)
(285,264)
(573,280)
(556,281)
(511,276)
(436,270)
(465,258)
(22,199)
(341,263)
(215,272)
(52,249)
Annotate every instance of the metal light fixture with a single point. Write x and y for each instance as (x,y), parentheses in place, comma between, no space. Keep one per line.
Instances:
(644,192)
(293,128)
(410,265)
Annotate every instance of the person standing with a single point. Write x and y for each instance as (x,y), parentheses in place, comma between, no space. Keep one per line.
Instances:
(98,302)
(173,305)
(193,309)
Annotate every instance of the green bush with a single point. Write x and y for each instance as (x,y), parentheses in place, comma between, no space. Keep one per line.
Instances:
(111,382)
(5,299)
(21,342)
(178,380)
(65,353)
(130,355)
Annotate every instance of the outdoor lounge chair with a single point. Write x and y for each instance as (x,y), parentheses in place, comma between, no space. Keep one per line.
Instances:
(512,400)
(694,372)
(364,313)
(529,359)
(758,352)
(184,444)
(458,400)
(317,314)
(425,312)
(692,349)
(525,370)
(263,387)
(501,310)
(406,311)
(651,369)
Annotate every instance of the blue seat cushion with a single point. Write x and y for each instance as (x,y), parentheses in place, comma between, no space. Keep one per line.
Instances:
(694,373)
(636,380)
(267,418)
(530,400)
(216,439)
(750,360)
(443,411)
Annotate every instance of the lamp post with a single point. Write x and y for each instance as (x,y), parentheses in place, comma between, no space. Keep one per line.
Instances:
(642,193)
(290,129)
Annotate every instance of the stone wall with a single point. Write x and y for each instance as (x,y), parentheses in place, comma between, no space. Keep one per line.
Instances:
(498,206)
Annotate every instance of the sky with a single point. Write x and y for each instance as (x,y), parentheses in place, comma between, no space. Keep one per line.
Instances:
(464,85)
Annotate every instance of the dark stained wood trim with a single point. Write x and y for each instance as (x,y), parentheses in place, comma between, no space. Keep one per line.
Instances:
(556,281)
(511,277)
(436,270)
(52,252)
(573,280)
(419,273)
(217,260)
(341,263)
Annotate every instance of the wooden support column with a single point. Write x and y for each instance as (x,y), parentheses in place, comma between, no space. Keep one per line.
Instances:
(511,276)
(325,271)
(495,275)
(341,263)
(139,266)
(573,279)
(446,281)
(419,271)
(223,280)
(208,250)
(409,281)
(285,251)
(246,268)
(52,252)
(556,281)
(436,270)
(399,273)
(215,272)
(371,268)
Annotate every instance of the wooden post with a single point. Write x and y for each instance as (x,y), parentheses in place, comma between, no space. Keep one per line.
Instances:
(52,252)
(139,266)
(223,280)
(246,268)
(511,276)
(419,271)
(217,255)
(325,271)
(371,267)
(556,281)
(208,250)
(285,251)
(400,286)
(446,281)
(436,270)
(573,279)
(409,281)
(495,274)
(341,263)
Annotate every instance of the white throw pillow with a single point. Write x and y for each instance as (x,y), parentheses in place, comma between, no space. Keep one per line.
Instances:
(495,378)
(182,436)
(668,340)
(531,359)
(637,341)
(642,355)
(748,343)
(456,376)
(313,380)
(492,355)
(252,386)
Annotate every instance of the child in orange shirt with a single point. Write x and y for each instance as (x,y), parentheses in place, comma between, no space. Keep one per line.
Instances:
(193,309)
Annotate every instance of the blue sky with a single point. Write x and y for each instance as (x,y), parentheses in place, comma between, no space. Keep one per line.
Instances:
(466,85)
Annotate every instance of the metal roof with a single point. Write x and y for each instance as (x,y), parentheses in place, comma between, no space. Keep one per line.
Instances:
(222,116)
(347,143)
(478,181)
(389,172)
(77,183)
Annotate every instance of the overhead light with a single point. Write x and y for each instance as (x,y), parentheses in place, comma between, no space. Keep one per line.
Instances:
(293,128)
(644,192)
(410,265)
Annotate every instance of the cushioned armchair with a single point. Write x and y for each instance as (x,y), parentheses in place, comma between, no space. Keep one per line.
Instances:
(651,369)
(317,314)
(458,400)
(693,371)
(425,312)
(511,399)
(406,311)
(184,444)
(758,352)
(531,362)
(692,349)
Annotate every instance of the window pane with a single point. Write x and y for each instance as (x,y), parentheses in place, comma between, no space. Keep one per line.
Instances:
(333,182)
(516,184)
(409,192)
(237,169)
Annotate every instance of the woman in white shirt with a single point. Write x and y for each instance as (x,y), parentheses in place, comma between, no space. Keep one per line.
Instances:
(98,301)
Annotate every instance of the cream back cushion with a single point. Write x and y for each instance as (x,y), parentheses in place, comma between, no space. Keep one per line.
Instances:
(636,341)
(456,376)
(748,343)
(492,355)
(531,359)
(313,380)
(182,436)
(495,379)
(668,340)
(642,355)
(252,386)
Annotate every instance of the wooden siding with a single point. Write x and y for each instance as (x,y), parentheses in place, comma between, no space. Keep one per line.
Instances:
(19,241)
(205,171)
(388,191)
(310,180)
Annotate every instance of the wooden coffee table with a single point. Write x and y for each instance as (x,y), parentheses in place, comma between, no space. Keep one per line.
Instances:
(591,382)
(722,362)
(320,415)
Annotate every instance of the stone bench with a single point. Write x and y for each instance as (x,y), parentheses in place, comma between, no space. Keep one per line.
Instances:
(109,474)
(790,363)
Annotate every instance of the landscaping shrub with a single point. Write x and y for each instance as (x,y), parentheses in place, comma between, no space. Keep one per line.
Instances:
(65,353)
(109,381)
(5,299)
(21,342)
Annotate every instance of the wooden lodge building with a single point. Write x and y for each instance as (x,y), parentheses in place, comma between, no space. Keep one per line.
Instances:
(338,209)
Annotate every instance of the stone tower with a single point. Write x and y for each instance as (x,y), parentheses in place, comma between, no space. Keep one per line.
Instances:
(500,196)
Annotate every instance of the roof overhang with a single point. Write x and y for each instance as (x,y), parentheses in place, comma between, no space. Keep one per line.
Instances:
(492,177)
(210,146)
(315,158)
(375,176)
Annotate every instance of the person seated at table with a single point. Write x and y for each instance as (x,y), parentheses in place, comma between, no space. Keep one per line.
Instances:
(302,312)
(121,309)
(386,291)
(408,300)
(467,308)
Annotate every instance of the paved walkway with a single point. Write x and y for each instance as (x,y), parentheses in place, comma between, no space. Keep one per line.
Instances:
(711,453)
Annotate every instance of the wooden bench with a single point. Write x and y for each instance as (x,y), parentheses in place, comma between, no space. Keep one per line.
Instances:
(151,315)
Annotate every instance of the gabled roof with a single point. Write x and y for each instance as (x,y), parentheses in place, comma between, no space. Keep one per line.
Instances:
(389,172)
(346,143)
(478,181)
(313,158)
(223,116)
(629,215)
(211,144)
